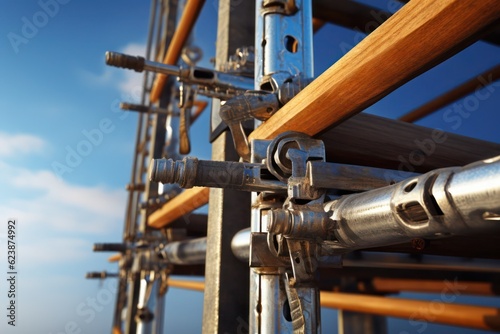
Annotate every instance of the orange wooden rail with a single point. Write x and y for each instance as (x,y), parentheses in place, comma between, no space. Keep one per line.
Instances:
(435,311)
(115,257)
(189,285)
(482,80)
(407,44)
(396,285)
(186,23)
(186,202)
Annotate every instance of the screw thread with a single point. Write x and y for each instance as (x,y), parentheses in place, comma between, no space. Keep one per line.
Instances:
(170,171)
(125,61)
(165,170)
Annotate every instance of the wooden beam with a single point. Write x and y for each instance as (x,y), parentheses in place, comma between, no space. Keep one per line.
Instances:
(184,284)
(407,44)
(366,270)
(349,14)
(482,80)
(200,107)
(317,24)
(188,201)
(436,311)
(186,23)
(375,141)
(368,140)
(194,224)
(115,258)
(471,246)
(396,285)
(188,270)
(492,35)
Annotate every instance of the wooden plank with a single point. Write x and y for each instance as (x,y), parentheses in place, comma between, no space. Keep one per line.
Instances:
(396,285)
(440,311)
(443,312)
(188,201)
(227,279)
(407,44)
(471,246)
(368,140)
(482,80)
(185,284)
(200,106)
(186,23)
(115,258)
(375,141)
(491,36)
(349,14)
(385,285)
(317,24)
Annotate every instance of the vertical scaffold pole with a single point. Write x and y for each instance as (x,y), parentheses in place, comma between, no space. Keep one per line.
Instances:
(283,49)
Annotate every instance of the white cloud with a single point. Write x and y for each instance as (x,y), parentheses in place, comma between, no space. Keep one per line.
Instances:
(61,250)
(128,82)
(94,79)
(98,200)
(43,198)
(57,218)
(19,144)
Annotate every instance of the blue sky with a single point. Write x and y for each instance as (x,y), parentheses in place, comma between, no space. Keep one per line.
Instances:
(55,88)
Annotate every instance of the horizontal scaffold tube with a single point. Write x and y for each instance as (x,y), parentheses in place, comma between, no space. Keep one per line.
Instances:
(185,252)
(444,202)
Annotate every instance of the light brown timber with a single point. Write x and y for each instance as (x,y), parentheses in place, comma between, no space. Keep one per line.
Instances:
(436,311)
(396,285)
(473,85)
(375,141)
(115,257)
(186,202)
(368,140)
(182,32)
(410,42)
(184,284)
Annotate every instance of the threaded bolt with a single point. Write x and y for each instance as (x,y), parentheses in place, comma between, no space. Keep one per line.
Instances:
(170,171)
(125,61)
(162,170)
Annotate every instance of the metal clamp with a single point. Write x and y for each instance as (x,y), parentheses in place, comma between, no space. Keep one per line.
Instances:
(297,229)
(260,105)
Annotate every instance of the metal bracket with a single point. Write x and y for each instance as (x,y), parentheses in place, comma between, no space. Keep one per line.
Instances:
(301,226)
(287,158)
(260,105)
